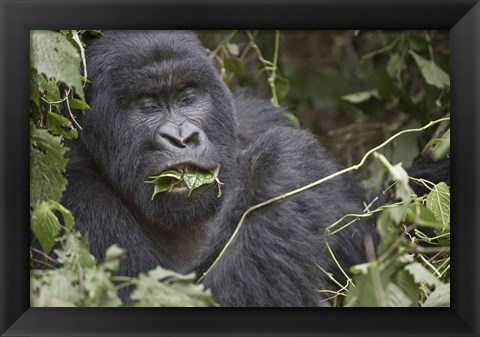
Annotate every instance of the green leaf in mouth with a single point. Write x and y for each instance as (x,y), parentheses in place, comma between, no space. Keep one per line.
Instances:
(166,181)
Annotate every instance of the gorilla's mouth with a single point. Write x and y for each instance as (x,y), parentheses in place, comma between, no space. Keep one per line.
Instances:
(185,168)
(183,177)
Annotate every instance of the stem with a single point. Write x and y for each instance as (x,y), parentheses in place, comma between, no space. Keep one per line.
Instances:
(306,187)
(222,43)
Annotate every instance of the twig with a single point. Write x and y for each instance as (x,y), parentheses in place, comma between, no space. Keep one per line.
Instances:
(71,114)
(306,187)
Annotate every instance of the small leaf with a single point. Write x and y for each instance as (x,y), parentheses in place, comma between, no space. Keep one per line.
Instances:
(233,49)
(422,274)
(293,119)
(196,179)
(165,181)
(57,123)
(75,251)
(164,288)
(234,65)
(44,225)
(438,202)
(440,297)
(78,104)
(432,73)
(360,97)
(112,258)
(395,65)
(100,290)
(52,92)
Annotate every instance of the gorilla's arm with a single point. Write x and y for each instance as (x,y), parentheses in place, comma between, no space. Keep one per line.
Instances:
(272,261)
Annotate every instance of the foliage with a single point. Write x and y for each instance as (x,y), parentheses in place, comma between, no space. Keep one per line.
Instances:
(406,87)
(73,277)
(193,179)
(355,90)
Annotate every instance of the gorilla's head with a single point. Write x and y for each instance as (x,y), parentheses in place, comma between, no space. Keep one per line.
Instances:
(157,102)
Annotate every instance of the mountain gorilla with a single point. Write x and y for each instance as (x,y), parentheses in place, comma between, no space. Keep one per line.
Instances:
(157,102)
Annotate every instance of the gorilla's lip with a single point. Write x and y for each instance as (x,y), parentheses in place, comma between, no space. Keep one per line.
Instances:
(186,166)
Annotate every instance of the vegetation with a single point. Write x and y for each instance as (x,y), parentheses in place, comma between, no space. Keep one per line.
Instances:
(362,87)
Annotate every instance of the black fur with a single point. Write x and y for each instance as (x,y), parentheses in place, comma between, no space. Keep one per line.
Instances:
(272,262)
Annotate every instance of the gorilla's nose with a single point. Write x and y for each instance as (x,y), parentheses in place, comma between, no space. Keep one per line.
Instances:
(174,137)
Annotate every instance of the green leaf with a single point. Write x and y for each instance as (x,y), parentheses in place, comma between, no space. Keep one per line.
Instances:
(196,179)
(75,251)
(293,119)
(44,225)
(423,216)
(438,202)
(440,297)
(112,258)
(233,48)
(234,65)
(47,165)
(395,65)
(34,88)
(282,86)
(166,181)
(100,290)
(395,296)
(432,73)
(52,54)
(387,88)
(360,97)
(164,288)
(56,124)
(442,149)
(54,288)
(78,104)
(52,93)
(406,284)
(422,274)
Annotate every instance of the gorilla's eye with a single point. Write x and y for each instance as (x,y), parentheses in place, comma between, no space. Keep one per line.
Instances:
(187,95)
(148,105)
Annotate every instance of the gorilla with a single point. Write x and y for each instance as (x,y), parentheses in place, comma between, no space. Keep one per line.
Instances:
(157,103)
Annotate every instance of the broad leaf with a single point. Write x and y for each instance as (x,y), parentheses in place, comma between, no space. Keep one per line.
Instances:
(433,74)
(422,274)
(234,65)
(52,54)
(61,126)
(47,164)
(440,297)
(163,288)
(438,202)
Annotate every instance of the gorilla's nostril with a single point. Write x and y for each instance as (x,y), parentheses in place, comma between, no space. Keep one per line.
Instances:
(171,136)
(192,139)
(173,140)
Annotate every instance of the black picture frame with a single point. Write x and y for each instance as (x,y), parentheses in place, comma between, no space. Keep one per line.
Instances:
(18,17)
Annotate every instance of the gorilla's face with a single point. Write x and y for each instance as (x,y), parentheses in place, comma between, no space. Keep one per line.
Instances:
(158,103)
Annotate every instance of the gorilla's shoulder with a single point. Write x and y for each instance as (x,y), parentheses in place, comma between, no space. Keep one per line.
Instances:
(285,158)
(256,115)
